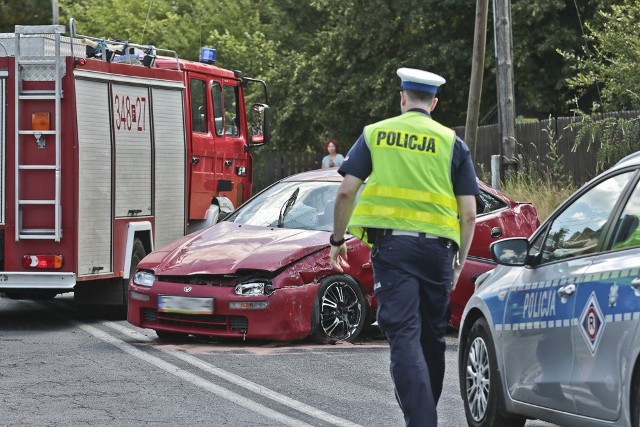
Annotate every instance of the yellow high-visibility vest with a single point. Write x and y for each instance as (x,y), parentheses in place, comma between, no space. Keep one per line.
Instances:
(410,185)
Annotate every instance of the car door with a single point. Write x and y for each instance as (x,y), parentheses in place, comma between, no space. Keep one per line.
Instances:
(607,308)
(496,219)
(230,156)
(490,223)
(540,308)
(537,332)
(202,148)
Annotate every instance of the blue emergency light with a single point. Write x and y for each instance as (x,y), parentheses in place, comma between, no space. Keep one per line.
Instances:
(208,55)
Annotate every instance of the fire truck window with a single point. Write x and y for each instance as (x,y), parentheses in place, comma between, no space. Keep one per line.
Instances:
(232,127)
(198,106)
(218,118)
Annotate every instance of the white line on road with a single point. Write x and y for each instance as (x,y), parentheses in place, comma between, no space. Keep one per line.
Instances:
(207,385)
(183,374)
(192,378)
(237,380)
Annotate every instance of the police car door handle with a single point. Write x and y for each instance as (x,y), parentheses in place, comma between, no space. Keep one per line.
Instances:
(635,284)
(565,291)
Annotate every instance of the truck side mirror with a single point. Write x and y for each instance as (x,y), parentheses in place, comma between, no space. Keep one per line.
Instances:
(259,122)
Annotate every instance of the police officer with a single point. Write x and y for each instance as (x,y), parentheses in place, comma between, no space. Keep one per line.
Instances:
(417,209)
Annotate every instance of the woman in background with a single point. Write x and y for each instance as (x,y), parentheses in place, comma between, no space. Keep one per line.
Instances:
(333,159)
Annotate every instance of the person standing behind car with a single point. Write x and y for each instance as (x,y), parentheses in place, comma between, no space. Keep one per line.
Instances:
(333,159)
(417,209)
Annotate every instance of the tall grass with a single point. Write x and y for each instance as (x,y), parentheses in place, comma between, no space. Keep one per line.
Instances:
(545,193)
(541,181)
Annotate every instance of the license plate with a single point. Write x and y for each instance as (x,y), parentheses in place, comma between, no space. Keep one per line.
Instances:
(185,305)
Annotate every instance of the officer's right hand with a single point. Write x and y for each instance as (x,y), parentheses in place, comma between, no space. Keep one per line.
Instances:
(456,275)
(338,256)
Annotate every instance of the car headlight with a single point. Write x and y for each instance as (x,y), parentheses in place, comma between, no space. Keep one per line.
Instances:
(254,287)
(144,278)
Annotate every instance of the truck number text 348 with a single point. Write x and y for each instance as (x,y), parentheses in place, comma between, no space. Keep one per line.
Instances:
(129,114)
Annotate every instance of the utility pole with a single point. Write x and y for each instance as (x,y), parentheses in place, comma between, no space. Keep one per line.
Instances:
(477,70)
(55,12)
(504,71)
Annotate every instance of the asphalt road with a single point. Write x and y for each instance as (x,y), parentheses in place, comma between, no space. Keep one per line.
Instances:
(57,368)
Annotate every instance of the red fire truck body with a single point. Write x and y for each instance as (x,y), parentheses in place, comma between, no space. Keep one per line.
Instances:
(103,159)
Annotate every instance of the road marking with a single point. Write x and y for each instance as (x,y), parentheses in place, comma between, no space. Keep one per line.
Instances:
(201,382)
(192,378)
(239,381)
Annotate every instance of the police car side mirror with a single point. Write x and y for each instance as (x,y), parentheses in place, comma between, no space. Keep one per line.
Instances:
(511,251)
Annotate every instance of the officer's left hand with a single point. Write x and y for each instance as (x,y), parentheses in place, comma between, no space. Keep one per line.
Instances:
(338,256)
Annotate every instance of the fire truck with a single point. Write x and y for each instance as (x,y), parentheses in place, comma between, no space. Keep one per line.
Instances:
(108,150)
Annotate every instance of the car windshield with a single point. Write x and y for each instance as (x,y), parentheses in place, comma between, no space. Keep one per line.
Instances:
(306,205)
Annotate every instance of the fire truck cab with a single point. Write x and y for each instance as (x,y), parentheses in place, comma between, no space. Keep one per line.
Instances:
(108,151)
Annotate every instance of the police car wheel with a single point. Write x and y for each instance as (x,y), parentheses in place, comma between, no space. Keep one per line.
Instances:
(479,382)
(635,400)
(340,310)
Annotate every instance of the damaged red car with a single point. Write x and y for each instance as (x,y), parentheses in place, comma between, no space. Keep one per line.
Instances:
(264,271)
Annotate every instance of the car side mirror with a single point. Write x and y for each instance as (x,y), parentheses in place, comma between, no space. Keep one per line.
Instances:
(511,251)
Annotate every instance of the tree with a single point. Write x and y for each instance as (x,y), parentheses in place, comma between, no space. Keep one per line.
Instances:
(605,73)
(24,12)
(331,65)
(345,78)
(608,63)
(180,25)
(350,79)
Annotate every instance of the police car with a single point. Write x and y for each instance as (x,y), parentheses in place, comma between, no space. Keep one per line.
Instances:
(553,332)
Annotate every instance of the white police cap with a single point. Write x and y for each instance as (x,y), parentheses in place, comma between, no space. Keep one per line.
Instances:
(424,81)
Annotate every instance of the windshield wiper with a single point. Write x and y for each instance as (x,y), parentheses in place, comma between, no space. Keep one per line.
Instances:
(284,210)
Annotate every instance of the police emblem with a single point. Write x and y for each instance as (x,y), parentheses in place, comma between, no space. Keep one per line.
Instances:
(592,323)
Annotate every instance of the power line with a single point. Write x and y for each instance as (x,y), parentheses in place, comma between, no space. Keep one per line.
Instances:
(586,46)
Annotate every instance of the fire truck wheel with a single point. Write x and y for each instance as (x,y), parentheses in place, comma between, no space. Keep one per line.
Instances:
(36,294)
(137,253)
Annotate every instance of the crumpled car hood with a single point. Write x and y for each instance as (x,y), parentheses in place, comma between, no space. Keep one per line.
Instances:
(228,247)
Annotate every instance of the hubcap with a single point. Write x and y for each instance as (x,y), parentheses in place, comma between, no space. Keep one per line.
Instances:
(477,379)
(340,313)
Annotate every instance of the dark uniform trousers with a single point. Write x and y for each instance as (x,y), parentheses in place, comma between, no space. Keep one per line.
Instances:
(412,278)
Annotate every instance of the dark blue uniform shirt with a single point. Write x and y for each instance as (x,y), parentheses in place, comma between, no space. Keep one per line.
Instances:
(463,175)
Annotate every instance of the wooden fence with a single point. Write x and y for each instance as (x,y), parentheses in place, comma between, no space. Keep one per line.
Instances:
(534,142)
(270,166)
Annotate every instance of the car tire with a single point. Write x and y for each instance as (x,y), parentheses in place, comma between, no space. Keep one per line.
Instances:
(480,384)
(171,336)
(340,310)
(635,400)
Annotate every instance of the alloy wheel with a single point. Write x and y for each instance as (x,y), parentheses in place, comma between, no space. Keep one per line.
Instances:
(477,378)
(341,312)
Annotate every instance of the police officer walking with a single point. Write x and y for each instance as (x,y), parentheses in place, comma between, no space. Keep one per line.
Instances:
(417,212)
